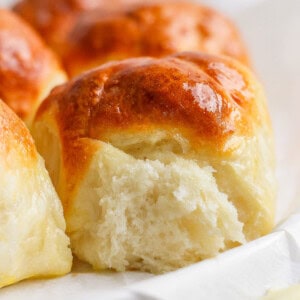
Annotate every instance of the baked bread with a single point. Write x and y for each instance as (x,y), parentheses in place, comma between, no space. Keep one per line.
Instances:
(112,32)
(32,238)
(150,30)
(160,162)
(28,69)
(53,19)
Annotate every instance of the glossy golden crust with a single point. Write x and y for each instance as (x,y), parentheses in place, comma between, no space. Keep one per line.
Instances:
(27,67)
(51,19)
(150,30)
(204,93)
(207,99)
(54,19)
(88,33)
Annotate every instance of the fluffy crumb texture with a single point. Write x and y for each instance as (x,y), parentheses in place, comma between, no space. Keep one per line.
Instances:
(32,228)
(150,215)
(160,163)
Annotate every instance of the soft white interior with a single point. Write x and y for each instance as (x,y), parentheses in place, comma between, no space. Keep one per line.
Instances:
(32,238)
(244,171)
(153,213)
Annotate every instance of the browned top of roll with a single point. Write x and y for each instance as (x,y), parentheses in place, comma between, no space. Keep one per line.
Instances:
(53,19)
(205,98)
(89,33)
(26,65)
(151,30)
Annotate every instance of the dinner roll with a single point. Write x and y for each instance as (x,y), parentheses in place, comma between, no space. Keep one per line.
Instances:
(53,19)
(160,162)
(32,238)
(150,30)
(28,70)
(119,29)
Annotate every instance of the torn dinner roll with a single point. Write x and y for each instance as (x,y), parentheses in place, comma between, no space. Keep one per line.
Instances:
(160,163)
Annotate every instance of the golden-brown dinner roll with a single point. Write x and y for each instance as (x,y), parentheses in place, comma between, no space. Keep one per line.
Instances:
(28,69)
(160,162)
(152,30)
(32,227)
(130,29)
(53,19)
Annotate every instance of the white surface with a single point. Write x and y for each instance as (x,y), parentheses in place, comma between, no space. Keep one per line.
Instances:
(272,32)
